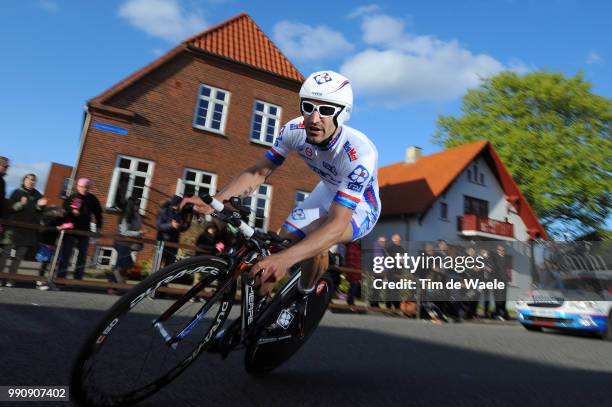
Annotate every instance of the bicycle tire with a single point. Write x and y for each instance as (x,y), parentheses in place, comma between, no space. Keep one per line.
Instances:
(118,328)
(262,358)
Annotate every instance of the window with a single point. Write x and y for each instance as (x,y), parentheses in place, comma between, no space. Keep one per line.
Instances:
(475,206)
(65,191)
(106,257)
(131,177)
(299,197)
(211,109)
(259,203)
(474,176)
(195,182)
(266,119)
(443,210)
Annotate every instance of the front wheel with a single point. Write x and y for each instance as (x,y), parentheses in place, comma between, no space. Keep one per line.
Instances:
(128,356)
(266,354)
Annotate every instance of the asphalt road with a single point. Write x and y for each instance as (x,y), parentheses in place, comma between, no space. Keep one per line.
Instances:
(354,360)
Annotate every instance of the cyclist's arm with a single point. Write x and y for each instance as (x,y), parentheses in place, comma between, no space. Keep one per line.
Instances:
(248,181)
(336,229)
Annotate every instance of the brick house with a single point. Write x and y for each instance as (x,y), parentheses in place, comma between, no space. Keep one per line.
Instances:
(193,119)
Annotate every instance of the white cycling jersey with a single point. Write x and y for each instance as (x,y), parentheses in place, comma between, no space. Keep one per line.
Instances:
(347,166)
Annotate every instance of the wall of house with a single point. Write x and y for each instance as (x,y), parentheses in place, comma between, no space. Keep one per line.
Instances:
(162,132)
(55,180)
(433,227)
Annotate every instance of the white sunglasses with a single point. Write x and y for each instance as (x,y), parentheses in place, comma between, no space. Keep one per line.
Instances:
(324,110)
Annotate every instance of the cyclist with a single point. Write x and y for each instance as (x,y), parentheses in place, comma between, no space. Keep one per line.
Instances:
(343,207)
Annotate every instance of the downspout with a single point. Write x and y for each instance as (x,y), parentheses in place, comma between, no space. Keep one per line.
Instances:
(84,127)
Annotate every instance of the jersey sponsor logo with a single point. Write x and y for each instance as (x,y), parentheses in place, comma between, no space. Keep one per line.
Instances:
(330,168)
(295,126)
(322,78)
(325,176)
(279,138)
(353,186)
(359,175)
(298,214)
(305,151)
(350,151)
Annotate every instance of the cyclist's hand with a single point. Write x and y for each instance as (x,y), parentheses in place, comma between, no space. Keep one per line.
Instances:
(198,205)
(274,268)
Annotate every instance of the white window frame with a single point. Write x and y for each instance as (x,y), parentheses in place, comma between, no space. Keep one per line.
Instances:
(133,172)
(212,101)
(253,206)
(264,122)
(295,201)
(180,186)
(113,257)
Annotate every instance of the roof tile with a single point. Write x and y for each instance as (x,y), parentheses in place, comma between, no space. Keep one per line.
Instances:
(241,40)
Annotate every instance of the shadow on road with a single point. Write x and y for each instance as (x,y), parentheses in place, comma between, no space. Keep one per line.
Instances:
(339,366)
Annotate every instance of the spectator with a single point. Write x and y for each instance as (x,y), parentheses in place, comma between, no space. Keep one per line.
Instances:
(4,165)
(487,275)
(211,239)
(378,251)
(352,259)
(129,225)
(80,207)
(448,306)
(53,220)
(394,275)
(25,205)
(501,270)
(472,296)
(169,228)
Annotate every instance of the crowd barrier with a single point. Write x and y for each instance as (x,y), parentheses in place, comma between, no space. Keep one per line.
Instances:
(106,240)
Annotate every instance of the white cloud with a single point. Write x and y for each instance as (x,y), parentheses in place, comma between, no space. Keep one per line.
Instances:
(49,6)
(17,171)
(400,67)
(163,19)
(304,42)
(594,58)
(363,10)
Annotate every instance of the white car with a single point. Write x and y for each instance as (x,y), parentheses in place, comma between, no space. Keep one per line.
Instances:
(580,301)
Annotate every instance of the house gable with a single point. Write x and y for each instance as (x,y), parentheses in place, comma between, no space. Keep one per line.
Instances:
(414,188)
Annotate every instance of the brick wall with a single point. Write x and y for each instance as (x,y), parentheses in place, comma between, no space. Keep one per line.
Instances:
(164,103)
(55,181)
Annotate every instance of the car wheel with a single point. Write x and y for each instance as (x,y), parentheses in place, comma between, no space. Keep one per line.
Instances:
(533,328)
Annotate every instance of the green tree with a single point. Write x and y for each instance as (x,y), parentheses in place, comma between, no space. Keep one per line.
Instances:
(553,134)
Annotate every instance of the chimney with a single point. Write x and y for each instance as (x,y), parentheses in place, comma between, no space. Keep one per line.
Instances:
(413,153)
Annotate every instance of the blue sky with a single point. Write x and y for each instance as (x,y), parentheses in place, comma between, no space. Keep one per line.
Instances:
(409,61)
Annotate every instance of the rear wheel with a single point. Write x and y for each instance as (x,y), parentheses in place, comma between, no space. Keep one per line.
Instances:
(265,354)
(127,356)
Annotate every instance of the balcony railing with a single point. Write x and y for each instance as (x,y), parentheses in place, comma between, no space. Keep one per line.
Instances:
(474,223)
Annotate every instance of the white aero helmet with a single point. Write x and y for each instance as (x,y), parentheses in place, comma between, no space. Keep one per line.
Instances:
(330,86)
